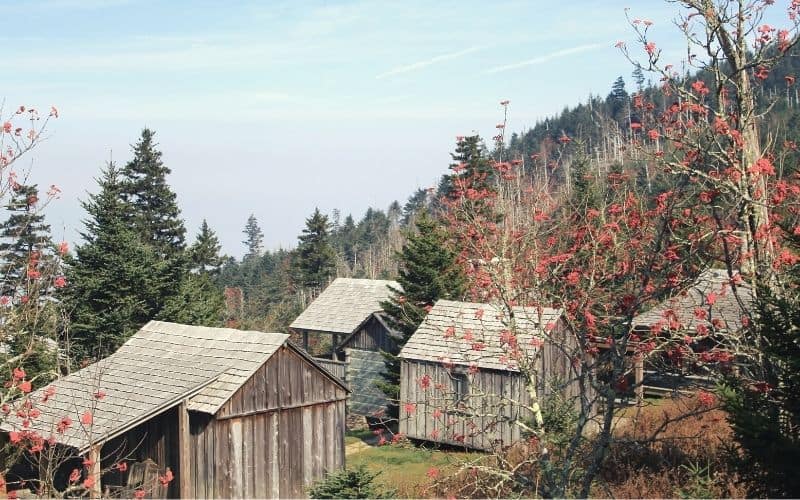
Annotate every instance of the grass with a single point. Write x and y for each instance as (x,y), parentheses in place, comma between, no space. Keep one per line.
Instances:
(364,435)
(404,468)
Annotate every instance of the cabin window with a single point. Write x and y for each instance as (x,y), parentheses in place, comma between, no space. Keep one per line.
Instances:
(460,386)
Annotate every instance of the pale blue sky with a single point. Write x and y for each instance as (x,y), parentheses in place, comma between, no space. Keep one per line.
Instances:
(277,107)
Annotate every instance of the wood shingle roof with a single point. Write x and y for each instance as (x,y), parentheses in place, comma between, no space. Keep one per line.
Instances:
(345,305)
(160,366)
(728,306)
(469,333)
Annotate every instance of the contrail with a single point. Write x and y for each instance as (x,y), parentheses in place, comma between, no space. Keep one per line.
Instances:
(548,57)
(423,64)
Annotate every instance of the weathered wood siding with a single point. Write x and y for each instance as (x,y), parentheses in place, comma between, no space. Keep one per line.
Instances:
(486,418)
(372,336)
(487,414)
(156,439)
(281,431)
(337,368)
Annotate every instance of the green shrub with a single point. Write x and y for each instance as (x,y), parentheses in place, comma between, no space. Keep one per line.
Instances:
(350,483)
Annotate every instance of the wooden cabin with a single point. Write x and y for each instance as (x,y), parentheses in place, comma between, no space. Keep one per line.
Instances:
(233,414)
(345,329)
(461,382)
(655,375)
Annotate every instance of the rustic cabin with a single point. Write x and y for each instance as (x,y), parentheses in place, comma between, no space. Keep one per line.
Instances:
(344,328)
(461,382)
(232,414)
(707,310)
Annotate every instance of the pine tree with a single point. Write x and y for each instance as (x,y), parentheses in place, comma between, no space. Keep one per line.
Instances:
(114,277)
(25,238)
(204,253)
(316,259)
(428,272)
(154,211)
(255,238)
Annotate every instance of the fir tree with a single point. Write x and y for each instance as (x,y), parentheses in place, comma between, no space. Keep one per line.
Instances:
(316,259)
(114,277)
(204,253)
(154,211)
(25,238)
(255,238)
(428,272)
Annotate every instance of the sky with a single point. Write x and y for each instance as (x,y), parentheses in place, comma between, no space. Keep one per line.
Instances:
(274,108)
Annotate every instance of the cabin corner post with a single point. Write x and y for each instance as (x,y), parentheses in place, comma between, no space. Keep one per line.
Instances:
(184,473)
(95,471)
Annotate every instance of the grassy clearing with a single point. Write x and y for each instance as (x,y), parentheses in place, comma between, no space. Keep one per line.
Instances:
(404,468)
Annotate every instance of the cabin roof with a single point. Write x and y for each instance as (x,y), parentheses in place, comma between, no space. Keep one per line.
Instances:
(728,307)
(477,335)
(160,366)
(345,305)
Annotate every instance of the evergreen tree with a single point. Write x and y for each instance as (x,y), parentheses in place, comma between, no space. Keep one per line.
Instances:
(638,77)
(32,324)
(255,238)
(197,301)
(763,404)
(25,238)
(316,259)
(153,211)
(114,277)
(618,100)
(428,272)
(205,252)
(471,164)
(415,203)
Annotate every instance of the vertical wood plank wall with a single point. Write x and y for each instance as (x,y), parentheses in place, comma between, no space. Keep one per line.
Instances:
(280,432)
(493,391)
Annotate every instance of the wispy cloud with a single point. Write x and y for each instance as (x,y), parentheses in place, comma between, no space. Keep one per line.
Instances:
(547,57)
(429,62)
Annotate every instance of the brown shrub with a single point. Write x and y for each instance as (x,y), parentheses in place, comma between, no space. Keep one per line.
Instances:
(676,448)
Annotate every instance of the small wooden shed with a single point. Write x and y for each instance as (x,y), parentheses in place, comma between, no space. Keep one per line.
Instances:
(461,382)
(344,327)
(707,310)
(233,414)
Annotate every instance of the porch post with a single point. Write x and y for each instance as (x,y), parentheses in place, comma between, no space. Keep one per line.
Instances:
(184,448)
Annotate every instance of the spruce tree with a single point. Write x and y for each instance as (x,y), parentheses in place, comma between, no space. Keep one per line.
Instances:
(415,203)
(204,253)
(763,399)
(316,259)
(428,272)
(154,212)
(255,238)
(198,300)
(113,278)
(24,238)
